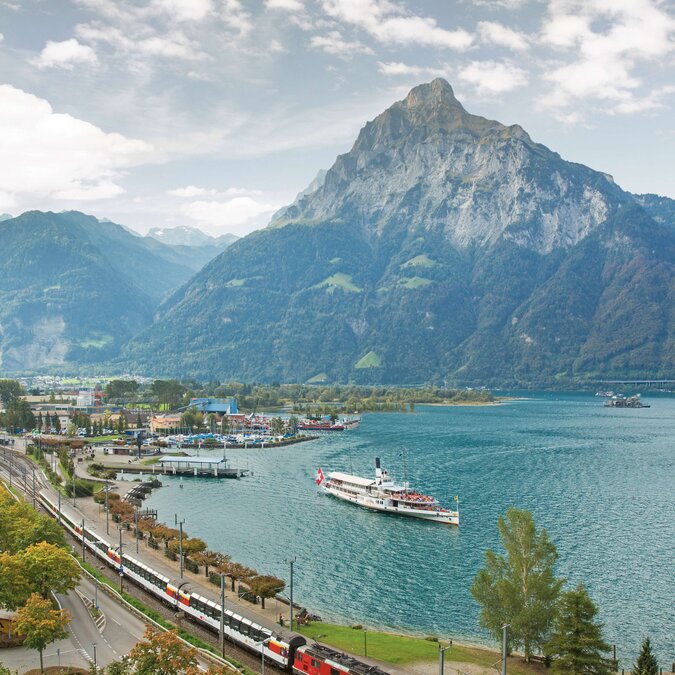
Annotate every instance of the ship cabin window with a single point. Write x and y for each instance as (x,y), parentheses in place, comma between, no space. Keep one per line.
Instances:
(335,671)
(315,663)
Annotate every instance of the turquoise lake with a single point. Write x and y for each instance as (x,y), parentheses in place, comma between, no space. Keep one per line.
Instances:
(600,480)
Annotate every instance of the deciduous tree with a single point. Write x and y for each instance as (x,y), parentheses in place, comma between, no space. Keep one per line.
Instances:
(266,587)
(41,624)
(520,588)
(577,646)
(163,654)
(49,568)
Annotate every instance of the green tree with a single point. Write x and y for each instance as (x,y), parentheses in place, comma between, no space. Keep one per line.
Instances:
(646,663)
(576,645)
(266,587)
(18,415)
(293,425)
(519,589)
(41,624)
(57,423)
(9,391)
(49,568)
(15,588)
(139,421)
(277,426)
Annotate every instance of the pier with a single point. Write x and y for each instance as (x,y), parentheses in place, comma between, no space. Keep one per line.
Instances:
(199,466)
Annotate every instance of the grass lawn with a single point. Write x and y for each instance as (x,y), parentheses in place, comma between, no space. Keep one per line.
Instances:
(403,649)
(370,360)
(103,439)
(339,280)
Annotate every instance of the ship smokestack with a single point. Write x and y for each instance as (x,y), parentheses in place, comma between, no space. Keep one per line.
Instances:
(378,470)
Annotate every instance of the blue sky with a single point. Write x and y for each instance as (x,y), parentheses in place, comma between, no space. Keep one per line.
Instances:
(214,113)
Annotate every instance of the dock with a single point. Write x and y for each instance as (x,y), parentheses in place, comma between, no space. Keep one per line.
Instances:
(214,467)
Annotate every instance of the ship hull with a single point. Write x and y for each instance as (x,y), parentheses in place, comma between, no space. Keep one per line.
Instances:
(384,505)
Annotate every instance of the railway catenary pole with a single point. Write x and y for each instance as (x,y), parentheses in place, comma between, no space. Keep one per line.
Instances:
(82,539)
(59,494)
(11,456)
(34,506)
(222,615)
(107,514)
(180,546)
(292,562)
(121,565)
(136,526)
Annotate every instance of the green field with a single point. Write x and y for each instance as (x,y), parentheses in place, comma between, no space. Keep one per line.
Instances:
(403,649)
(370,360)
(235,283)
(318,379)
(420,261)
(416,282)
(339,280)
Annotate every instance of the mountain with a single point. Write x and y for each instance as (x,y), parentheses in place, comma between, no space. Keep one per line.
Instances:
(442,247)
(73,288)
(190,246)
(5,216)
(181,235)
(315,184)
(661,209)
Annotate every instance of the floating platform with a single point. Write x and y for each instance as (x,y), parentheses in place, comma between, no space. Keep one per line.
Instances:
(215,467)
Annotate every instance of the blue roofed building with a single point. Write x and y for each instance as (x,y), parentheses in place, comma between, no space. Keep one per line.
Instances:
(219,406)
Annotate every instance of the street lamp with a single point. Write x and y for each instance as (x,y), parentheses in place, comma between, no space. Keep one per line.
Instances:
(505,633)
(95,665)
(441,657)
(262,653)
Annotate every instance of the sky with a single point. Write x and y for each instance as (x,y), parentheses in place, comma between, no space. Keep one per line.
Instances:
(215,113)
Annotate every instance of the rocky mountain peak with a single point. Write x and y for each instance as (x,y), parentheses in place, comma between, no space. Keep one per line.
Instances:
(427,165)
(438,92)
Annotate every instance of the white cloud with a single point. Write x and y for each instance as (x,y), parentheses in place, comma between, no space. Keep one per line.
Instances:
(492,77)
(334,43)
(66,54)
(236,17)
(604,42)
(172,45)
(193,191)
(48,155)
(2,37)
(184,10)
(286,5)
(239,215)
(390,23)
(495,33)
(395,68)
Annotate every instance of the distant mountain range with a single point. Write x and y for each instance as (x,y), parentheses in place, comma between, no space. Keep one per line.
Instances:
(442,247)
(73,288)
(445,247)
(184,235)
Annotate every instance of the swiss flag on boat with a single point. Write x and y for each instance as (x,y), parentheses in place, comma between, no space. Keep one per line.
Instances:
(319,476)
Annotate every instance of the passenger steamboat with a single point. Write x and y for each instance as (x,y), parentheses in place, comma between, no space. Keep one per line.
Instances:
(383,494)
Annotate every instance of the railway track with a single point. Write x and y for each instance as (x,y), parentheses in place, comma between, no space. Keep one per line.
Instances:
(22,480)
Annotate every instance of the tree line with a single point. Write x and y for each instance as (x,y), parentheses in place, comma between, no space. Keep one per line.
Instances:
(519,590)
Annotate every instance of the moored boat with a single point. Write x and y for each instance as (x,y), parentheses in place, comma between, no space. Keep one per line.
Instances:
(383,494)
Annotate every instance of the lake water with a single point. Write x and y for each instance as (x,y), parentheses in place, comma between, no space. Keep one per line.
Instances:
(601,480)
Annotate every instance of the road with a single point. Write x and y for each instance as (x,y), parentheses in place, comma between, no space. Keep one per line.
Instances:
(117,635)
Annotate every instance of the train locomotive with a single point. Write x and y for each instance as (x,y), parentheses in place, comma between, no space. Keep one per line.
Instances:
(285,648)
